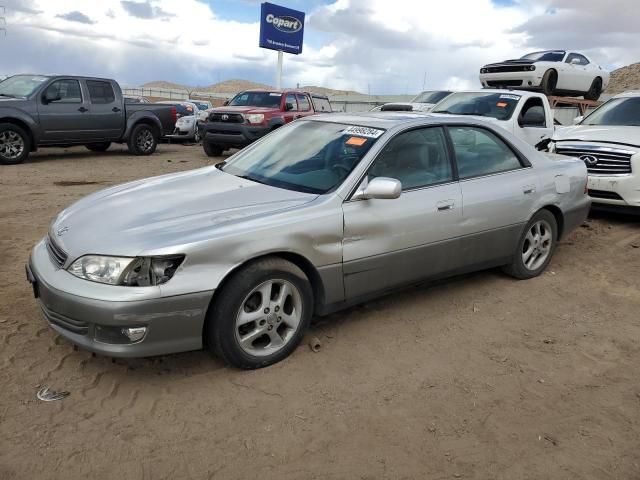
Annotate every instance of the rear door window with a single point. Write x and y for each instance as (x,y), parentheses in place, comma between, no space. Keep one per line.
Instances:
(291,100)
(303,103)
(100,92)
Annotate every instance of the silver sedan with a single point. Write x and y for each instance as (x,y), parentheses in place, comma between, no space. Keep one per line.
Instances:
(319,215)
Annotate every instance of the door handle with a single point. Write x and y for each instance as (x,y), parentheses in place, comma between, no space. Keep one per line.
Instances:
(115,109)
(444,205)
(82,109)
(528,189)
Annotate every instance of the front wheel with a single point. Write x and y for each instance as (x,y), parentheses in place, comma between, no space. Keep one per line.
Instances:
(143,140)
(549,82)
(14,144)
(211,149)
(261,315)
(535,248)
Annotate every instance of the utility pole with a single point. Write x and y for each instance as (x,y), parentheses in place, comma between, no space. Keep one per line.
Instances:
(3,21)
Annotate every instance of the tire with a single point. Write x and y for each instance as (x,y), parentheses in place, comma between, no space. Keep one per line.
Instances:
(595,90)
(544,228)
(245,328)
(196,136)
(143,140)
(211,149)
(98,147)
(15,144)
(549,82)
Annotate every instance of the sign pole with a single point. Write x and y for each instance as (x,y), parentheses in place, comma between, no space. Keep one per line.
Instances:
(279,73)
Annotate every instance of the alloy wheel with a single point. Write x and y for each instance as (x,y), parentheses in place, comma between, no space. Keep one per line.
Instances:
(268,317)
(537,245)
(145,140)
(11,144)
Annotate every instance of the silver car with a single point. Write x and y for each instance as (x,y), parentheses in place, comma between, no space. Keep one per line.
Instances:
(323,213)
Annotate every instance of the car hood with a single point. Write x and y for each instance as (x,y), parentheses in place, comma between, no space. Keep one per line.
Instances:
(415,106)
(622,135)
(164,212)
(229,109)
(515,61)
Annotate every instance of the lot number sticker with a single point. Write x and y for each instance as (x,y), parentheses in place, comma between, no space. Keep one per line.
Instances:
(363,131)
(511,97)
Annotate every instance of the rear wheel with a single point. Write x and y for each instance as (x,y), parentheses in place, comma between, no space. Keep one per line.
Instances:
(15,144)
(98,147)
(535,248)
(549,82)
(143,140)
(211,149)
(261,314)
(595,90)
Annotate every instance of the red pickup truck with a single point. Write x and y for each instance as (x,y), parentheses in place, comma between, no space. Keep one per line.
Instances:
(254,113)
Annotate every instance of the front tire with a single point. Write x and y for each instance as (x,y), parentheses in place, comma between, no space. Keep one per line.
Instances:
(595,91)
(261,314)
(15,144)
(549,82)
(98,147)
(535,248)
(211,149)
(143,140)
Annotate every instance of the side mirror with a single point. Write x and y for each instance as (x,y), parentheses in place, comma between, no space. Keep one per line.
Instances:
(288,107)
(577,120)
(226,102)
(379,187)
(50,96)
(534,117)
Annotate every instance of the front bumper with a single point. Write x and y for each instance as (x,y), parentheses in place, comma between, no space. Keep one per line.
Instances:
(615,190)
(173,324)
(180,133)
(525,79)
(232,134)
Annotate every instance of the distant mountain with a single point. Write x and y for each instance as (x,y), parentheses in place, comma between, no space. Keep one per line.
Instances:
(235,86)
(625,78)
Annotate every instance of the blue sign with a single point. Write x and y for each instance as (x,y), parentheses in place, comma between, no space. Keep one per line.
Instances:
(281,28)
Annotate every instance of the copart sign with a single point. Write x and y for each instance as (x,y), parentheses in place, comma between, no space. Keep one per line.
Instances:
(281,28)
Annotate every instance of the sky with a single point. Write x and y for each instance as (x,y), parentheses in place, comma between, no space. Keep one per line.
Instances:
(372,46)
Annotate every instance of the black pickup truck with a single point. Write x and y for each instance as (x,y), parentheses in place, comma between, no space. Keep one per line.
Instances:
(60,111)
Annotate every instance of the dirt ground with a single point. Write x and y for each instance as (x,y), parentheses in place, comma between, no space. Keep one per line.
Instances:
(482,377)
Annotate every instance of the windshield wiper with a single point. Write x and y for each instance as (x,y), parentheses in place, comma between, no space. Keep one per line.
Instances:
(6,95)
(458,113)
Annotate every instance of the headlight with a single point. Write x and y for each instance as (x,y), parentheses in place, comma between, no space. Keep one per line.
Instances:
(255,118)
(135,272)
(483,70)
(532,67)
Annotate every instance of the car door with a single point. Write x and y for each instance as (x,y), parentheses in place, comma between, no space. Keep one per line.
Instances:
(570,77)
(304,105)
(290,107)
(389,243)
(584,73)
(499,188)
(106,116)
(64,118)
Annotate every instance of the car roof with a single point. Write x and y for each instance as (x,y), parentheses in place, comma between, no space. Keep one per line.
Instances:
(54,76)
(283,90)
(387,120)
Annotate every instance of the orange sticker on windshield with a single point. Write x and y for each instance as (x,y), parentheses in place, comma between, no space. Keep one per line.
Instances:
(502,104)
(356,141)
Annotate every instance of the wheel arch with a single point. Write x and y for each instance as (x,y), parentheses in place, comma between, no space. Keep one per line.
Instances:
(136,120)
(558,215)
(26,127)
(317,286)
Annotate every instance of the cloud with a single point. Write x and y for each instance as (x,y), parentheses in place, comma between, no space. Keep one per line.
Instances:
(76,17)
(368,45)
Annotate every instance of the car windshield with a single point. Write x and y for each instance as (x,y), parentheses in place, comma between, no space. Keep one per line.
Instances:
(20,85)
(430,97)
(495,105)
(617,111)
(256,99)
(309,156)
(551,56)
(202,106)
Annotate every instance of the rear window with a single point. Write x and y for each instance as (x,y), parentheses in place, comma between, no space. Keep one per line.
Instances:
(100,92)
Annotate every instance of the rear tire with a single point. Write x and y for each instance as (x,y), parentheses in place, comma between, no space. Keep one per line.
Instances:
(143,140)
(15,144)
(535,248)
(98,147)
(261,314)
(211,149)
(549,82)
(595,91)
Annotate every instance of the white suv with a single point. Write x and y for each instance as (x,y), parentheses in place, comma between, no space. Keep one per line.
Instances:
(608,141)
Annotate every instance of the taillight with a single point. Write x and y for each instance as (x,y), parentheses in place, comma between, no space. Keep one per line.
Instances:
(174,114)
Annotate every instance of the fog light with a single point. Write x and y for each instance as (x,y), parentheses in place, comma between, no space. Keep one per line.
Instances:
(134,334)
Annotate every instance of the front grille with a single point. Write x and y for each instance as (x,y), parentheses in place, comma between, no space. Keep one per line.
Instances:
(226,117)
(608,161)
(58,256)
(75,326)
(507,68)
(604,195)
(504,83)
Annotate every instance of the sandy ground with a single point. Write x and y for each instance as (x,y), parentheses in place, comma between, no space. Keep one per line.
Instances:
(482,377)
